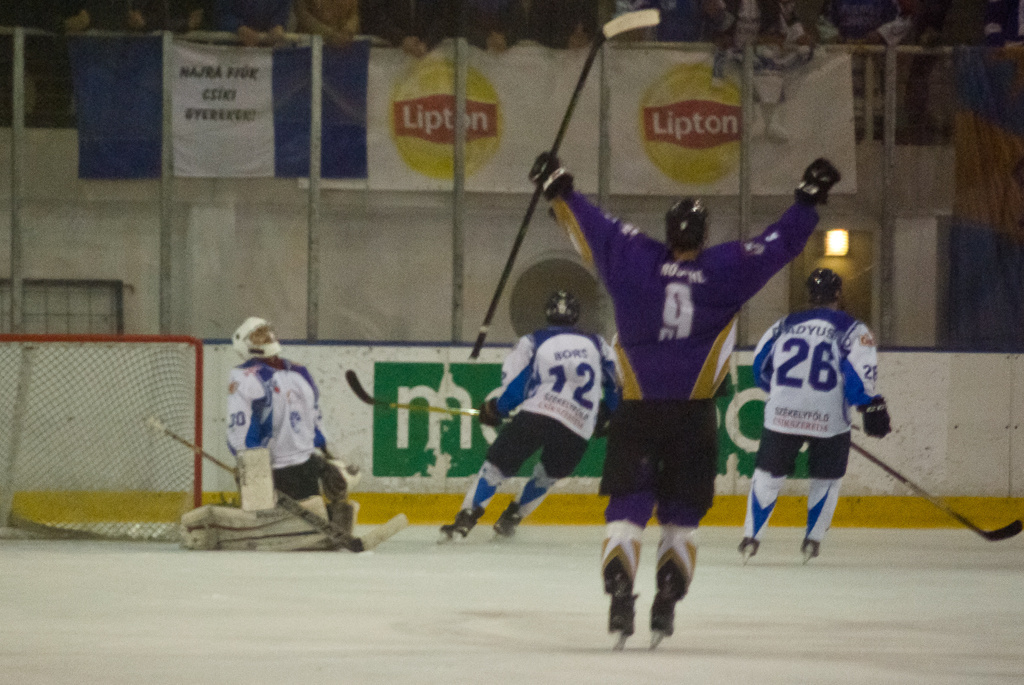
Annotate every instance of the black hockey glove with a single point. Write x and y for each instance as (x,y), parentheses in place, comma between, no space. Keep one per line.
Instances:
(489,415)
(604,421)
(876,418)
(547,172)
(819,177)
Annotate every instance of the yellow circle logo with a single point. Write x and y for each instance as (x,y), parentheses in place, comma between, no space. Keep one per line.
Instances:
(690,125)
(423,119)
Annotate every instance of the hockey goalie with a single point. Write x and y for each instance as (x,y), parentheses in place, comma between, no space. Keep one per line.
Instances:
(294,493)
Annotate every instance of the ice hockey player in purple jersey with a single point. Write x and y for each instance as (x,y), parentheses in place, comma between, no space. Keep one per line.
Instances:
(815,365)
(274,403)
(565,384)
(676,304)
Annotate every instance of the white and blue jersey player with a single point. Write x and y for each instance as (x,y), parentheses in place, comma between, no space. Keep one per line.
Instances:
(275,403)
(815,365)
(565,384)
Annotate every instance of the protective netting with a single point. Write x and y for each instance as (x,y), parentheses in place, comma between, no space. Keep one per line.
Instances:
(76,458)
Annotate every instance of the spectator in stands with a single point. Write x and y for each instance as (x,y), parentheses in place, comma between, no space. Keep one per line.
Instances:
(391,21)
(492,25)
(99,15)
(179,16)
(1003,26)
(562,23)
(336,20)
(780,44)
(257,22)
(681,20)
(867,21)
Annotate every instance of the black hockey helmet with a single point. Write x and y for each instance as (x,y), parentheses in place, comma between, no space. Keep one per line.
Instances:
(562,309)
(685,224)
(823,286)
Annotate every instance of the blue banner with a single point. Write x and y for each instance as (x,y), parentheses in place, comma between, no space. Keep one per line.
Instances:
(118,91)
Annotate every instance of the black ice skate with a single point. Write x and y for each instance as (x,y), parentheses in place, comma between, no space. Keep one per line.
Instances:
(671,588)
(506,524)
(748,548)
(621,614)
(464,522)
(810,549)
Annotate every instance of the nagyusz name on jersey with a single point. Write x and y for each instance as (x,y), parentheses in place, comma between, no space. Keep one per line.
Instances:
(827,332)
(677,270)
(570,354)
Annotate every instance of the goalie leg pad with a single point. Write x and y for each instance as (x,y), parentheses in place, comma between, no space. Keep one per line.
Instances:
(255,480)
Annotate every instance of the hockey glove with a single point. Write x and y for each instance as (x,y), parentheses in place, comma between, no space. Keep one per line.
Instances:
(489,415)
(876,418)
(604,420)
(547,172)
(819,177)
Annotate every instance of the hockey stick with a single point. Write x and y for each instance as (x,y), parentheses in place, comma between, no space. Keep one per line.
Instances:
(292,506)
(629,21)
(1007,531)
(360,391)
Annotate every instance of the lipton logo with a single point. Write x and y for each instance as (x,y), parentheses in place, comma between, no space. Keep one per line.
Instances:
(432,118)
(423,119)
(690,124)
(695,124)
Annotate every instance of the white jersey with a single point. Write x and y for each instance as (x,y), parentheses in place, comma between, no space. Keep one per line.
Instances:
(562,373)
(274,403)
(815,365)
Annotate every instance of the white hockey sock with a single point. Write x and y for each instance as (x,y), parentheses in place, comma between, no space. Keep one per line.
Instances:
(483,487)
(764,492)
(822,497)
(535,490)
(678,546)
(623,541)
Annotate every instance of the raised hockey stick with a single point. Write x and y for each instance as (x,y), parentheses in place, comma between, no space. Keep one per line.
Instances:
(360,391)
(1007,531)
(292,506)
(623,23)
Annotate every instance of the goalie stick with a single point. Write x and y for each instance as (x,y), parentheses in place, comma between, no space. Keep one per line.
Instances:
(292,506)
(360,391)
(1007,531)
(630,21)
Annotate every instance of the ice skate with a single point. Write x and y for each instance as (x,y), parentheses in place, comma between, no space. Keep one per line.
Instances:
(464,522)
(507,523)
(663,613)
(810,549)
(671,588)
(621,613)
(748,548)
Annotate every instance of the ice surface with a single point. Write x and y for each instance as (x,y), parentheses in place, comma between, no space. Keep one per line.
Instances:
(878,606)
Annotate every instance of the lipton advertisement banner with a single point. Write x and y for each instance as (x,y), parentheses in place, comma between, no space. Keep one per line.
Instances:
(676,120)
(515,103)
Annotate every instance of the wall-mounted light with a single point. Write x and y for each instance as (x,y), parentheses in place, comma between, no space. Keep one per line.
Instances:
(837,242)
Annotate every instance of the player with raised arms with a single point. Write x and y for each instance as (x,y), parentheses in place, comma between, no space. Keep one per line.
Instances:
(676,304)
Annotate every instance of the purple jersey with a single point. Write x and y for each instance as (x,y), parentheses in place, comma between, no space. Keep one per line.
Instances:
(676,320)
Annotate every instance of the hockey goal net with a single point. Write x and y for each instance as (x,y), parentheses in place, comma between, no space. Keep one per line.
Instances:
(76,458)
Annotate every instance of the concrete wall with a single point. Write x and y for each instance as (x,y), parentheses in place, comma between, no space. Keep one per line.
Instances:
(240,247)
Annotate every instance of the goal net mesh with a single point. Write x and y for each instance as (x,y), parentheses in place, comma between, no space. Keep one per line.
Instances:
(76,457)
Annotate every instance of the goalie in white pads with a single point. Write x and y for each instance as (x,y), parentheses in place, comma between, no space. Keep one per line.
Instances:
(815,365)
(273,403)
(566,384)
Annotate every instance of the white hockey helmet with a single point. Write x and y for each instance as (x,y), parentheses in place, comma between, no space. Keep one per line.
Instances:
(256,338)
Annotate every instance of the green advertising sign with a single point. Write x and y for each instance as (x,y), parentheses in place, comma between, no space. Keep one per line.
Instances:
(431,444)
